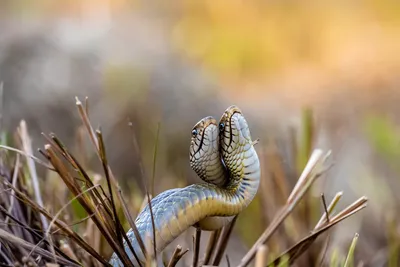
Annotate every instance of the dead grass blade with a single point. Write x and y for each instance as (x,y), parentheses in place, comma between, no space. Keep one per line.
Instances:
(211,245)
(300,247)
(60,224)
(132,224)
(32,231)
(176,256)
(261,256)
(307,178)
(137,151)
(155,159)
(83,112)
(152,224)
(103,219)
(14,183)
(103,157)
(27,148)
(228,262)
(349,262)
(223,241)
(119,249)
(37,160)
(196,246)
(39,251)
(55,217)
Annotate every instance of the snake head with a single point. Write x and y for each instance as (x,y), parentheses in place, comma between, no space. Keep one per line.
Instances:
(204,134)
(235,143)
(204,155)
(234,130)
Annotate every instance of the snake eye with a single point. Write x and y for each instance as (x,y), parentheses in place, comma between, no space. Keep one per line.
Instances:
(194,132)
(221,126)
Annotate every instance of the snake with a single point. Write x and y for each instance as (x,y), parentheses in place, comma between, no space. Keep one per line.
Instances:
(223,156)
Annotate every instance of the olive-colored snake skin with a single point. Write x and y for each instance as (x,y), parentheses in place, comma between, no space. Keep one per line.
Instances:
(210,205)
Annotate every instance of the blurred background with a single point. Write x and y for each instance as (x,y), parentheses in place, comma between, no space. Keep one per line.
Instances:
(166,65)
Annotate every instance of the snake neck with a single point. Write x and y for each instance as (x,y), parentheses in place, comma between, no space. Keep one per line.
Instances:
(244,171)
(207,162)
(245,175)
(213,171)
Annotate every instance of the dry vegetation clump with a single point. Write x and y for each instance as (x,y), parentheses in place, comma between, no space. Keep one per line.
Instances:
(77,217)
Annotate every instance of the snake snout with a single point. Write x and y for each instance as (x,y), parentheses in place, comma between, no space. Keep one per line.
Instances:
(240,123)
(233,109)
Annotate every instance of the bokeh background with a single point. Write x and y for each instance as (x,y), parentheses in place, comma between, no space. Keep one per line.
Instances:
(167,64)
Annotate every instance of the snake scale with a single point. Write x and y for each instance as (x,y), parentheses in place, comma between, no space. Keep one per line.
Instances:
(224,157)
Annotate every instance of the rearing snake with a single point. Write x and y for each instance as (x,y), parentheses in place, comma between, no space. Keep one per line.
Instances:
(223,156)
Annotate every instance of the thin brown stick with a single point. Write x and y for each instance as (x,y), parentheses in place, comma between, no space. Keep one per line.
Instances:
(261,256)
(176,256)
(325,207)
(152,225)
(34,232)
(315,158)
(42,252)
(150,261)
(55,217)
(155,159)
(60,224)
(86,122)
(12,197)
(87,106)
(329,210)
(14,183)
(27,148)
(196,245)
(212,243)
(132,224)
(361,202)
(305,181)
(228,262)
(104,162)
(67,250)
(96,197)
(1,104)
(223,241)
(86,204)
(137,150)
(301,246)
(93,235)
(37,160)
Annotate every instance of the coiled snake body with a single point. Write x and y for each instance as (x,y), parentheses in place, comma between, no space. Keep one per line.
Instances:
(231,184)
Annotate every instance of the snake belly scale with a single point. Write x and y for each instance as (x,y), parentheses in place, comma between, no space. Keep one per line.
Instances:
(224,157)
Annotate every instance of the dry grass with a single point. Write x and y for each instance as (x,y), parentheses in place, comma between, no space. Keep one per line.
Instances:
(37,231)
